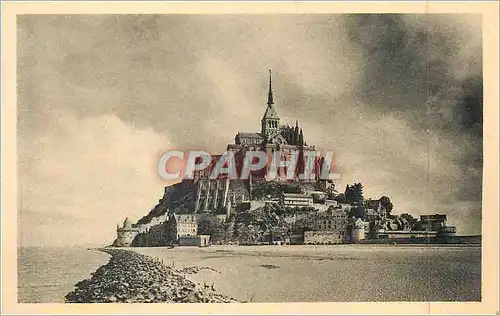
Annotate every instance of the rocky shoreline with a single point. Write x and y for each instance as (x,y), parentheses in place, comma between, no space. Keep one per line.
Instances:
(130,277)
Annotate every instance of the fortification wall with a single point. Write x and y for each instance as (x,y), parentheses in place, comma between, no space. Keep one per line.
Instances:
(154,221)
(156,236)
(323,237)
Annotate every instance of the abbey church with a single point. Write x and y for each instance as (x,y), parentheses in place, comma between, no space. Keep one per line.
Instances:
(273,135)
(213,194)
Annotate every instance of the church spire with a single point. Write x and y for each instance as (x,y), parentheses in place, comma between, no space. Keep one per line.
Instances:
(270,121)
(270,100)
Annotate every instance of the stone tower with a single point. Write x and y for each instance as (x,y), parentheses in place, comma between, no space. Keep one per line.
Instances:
(270,120)
(125,234)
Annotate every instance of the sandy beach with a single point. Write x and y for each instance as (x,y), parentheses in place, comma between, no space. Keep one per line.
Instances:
(333,273)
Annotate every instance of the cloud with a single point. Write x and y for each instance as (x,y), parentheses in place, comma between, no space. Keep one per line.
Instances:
(80,180)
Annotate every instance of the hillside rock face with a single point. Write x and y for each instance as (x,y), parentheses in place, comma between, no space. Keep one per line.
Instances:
(257,225)
(178,198)
(246,222)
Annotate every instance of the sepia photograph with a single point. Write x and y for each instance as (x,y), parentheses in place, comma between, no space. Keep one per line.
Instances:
(280,157)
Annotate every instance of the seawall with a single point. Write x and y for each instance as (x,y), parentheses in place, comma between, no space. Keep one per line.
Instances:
(130,277)
(441,241)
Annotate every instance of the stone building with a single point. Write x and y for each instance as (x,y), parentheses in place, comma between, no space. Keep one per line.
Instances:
(198,240)
(177,227)
(330,227)
(359,222)
(125,235)
(182,225)
(219,195)
(273,137)
(432,222)
(212,194)
(408,221)
(436,223)
(358,230)
(296,200)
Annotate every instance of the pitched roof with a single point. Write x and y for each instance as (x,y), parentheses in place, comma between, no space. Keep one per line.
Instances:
(270,113)
(127,223)
(249,135)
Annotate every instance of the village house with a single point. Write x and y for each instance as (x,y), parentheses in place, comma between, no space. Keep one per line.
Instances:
(432,222)
(330,227)
(296,200)
(182,225)
(358,231)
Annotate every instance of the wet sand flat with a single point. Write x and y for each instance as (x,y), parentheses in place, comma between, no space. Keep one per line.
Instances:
(345,273)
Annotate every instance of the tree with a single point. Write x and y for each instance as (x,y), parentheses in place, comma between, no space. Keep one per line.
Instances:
(354,194)
(341,198)
(219,233)
(206,226)
(358,193)
(349,199)
(288,188)
(248,234)
(386,203)
(374,228)
(296,133)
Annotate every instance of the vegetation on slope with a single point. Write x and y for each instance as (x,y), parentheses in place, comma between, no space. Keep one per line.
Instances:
(273,190)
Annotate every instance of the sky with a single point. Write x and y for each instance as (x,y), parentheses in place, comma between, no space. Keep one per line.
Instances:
(398,98)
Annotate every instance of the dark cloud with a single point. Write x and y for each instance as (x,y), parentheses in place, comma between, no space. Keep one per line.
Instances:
(417,69)
(411,67)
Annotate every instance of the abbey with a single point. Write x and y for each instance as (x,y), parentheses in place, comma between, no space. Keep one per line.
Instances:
(273,135)
(223,193)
